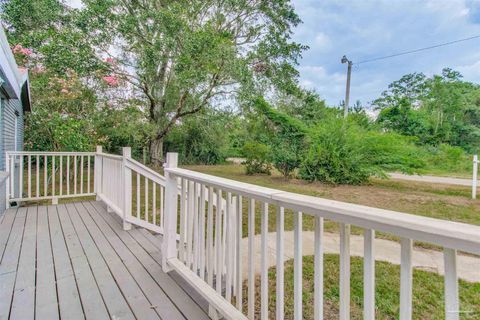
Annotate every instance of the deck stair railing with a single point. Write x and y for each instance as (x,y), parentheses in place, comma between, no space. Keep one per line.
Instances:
(204,228)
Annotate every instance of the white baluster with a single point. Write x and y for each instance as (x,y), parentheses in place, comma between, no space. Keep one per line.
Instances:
(264,263)
(251,259)
(202,232)
(297,269)
(183,209)
(219,242)
(452,305)
(318,265)
(406,279)
(239,257)
(369,274)
(210,249)
(29,181)
(344,271)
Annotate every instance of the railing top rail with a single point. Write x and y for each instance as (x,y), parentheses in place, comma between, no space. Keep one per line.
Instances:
(141,166)
(108,155)
(49,153)
(454,235)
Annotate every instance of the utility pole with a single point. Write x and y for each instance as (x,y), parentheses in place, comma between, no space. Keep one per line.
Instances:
(347,92)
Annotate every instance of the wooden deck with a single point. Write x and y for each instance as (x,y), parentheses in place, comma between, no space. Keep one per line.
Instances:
(74,261)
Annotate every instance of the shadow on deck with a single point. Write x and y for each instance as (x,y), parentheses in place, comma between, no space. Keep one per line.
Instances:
(74,261)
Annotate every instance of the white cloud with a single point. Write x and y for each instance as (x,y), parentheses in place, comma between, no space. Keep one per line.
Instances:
(369,29)
(322,41)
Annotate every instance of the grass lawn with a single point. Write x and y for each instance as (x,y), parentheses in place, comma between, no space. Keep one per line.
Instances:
(428,301)
(436,201)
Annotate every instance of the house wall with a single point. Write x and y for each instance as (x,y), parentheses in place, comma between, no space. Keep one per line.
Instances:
(3,190)
(7,139)
(7,123)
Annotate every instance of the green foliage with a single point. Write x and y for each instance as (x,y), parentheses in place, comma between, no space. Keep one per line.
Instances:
(287,140)
(350,154)
(120,127)
(441,109)
(202,139)
(181,55)
(257,158)
(448,158)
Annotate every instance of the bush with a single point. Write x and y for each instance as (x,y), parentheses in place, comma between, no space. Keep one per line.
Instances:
(447,158)
(348,154)
(286,156)
(256,155)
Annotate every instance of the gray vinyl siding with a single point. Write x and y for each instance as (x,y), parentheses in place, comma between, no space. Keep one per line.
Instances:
(7,123)
(3,191)
(7,139)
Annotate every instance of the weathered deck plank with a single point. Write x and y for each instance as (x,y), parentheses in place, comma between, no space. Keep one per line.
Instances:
(116,304)
(68,296)
(23,304)
(160,302)
(92,302)
(150,258)
(46,305)
(9,262)
(5,228)
(131,290)
(75,261)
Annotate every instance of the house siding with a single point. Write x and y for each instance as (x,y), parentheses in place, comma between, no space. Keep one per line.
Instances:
(7,122)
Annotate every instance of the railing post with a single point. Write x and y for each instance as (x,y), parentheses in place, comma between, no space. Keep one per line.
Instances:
(7,187)
(98,168)
(169,245)
(474,177)
(127,188)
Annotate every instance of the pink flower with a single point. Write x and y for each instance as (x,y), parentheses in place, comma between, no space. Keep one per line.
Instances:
(110,60)
(64,90)
(26,51)
(19,49)
(111,80)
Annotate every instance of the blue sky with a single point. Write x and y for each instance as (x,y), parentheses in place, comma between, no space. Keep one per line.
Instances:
(364,29)
(368,29)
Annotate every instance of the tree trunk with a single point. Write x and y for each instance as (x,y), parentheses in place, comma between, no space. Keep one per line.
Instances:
(156,152)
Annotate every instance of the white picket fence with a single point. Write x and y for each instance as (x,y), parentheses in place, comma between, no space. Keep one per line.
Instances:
(202,222)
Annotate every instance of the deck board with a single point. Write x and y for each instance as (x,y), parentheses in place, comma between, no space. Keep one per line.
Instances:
(92,302)
(23,304)
(150,258)
(117,306)
(68,297)
(158,299)
(75,261)
(9,262)
(46,302)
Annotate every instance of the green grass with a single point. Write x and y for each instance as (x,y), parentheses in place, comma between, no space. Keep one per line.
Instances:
(428,296)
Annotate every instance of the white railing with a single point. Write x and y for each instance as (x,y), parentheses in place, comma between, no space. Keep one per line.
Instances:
(202,222)
(209,253)
(49,175)
(130,189)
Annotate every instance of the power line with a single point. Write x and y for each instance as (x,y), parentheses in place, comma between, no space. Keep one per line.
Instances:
(417,50)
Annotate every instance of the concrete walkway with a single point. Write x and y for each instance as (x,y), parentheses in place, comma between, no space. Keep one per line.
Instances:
(432,179)
(468,267)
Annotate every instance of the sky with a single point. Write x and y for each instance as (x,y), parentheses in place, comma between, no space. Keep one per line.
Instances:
(365,29)
(368,29)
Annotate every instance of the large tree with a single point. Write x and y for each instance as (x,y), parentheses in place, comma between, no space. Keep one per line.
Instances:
(181,56)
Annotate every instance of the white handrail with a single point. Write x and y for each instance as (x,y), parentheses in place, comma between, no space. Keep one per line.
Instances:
(224,259)
(460,236)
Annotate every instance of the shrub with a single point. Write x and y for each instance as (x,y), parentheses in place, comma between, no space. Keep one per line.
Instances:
(256,155)
(448,158)
(348,154)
